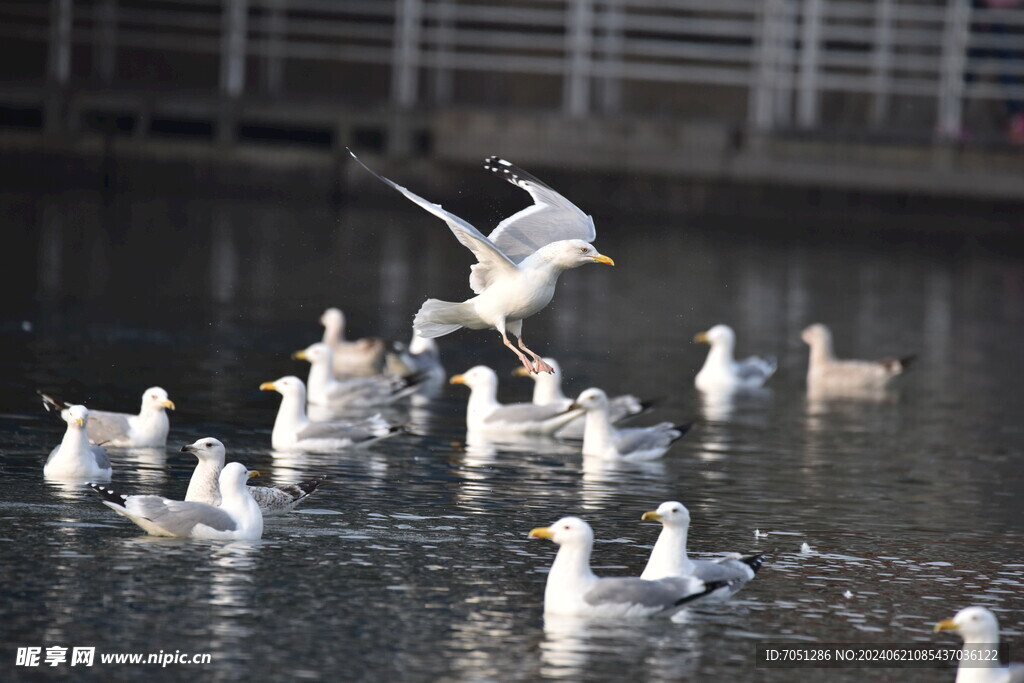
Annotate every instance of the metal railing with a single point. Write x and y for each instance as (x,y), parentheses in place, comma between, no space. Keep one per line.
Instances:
(805,64)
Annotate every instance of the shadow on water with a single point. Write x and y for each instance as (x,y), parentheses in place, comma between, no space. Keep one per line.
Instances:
(412,561)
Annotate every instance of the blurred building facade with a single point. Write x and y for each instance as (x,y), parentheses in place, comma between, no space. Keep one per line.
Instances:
(870,94)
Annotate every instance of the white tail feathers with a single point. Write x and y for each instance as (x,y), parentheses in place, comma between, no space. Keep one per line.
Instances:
(437,318)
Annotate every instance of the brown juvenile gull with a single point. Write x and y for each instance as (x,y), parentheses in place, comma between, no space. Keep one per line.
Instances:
(518,264)
(826,372)
(148,429)
(351,358)
(204,486)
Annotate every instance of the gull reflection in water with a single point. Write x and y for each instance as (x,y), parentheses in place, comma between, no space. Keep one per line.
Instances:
(149,464)
(606,481)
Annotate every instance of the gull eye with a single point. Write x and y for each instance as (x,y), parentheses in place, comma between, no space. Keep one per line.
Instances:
(566,527)
(584,250)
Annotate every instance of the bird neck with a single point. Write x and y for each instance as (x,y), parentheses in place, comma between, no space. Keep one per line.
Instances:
(570,573)
(75,441)
(291,415)
(821,352)
(320,376)
(203,487)
(239,503)
(597,431)
(547,389)
(719,355)
(482,401)
(669,556)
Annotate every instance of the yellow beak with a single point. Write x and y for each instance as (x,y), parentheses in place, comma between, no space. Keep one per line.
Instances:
(457,379)
(542,532)
(300,355)
(253,474)
(268,386)
(650,516)
(701,337)
(169,404)
(601,258)
(945,625)
(80,422)
(520,372)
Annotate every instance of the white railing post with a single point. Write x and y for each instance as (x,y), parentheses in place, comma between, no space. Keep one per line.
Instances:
(613,19)
(579,40)
(954,60)
(810,55)
(59,64)
(446,17)
(406,52)
(881,61)
(764,72)
(232,47)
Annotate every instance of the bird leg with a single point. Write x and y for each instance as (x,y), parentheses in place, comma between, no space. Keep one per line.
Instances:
(539,364)
(523,359)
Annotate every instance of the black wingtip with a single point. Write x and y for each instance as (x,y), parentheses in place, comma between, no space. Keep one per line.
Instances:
(309,485)
(647,406)
(51,404)
(753,561)
(905,361)
(108,494)
(709,587)
(682,429)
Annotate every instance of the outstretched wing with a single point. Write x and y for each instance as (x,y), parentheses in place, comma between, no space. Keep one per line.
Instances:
(551,218)
(492,262)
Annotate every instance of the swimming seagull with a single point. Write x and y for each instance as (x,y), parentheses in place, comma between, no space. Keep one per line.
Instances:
(601,439)
(573,589)
(485,415)
(148,429)
(293,430)
(356,392)
(547,391)
(722,372)
(826,372)
(980,630)
(238,517)
(204,486)
(669,558)
(75,457)
(420,358)
(352,358)
(517,265)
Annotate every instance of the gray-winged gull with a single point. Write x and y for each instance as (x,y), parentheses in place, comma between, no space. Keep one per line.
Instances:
(148,429)
(204,486)
(75,457)
(669,557)
(826,372)
(722,372)
(601,439)
(573,589)
(547,391)
(484,414)
(293,430)
(356,392)
(420,358)
(351,358)
(979,628)
(238,517)
(517,265)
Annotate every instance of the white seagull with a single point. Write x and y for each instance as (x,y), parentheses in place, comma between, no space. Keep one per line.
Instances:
(601,439)
(356,392)
(148,429)
(826,372)
(238,517)
(204,486)
(351,358)
(484,415)
(75,457)
(980,630)
(669,558)
(573,589)
(517,265)
(293,430)
(722,372)
(547,391)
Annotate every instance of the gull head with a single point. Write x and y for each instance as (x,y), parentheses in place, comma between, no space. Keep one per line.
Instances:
(289,385)
(568,530)
(566,254)
(156,398)
(234,475)
(333,318)
(816,334)
(670,513)
(717,335)
(974,624)
(206,449)
(76,416)
(314,353)
(476,377)
(590,399)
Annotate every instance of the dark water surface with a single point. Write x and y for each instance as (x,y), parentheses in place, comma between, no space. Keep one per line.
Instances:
(413,563)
